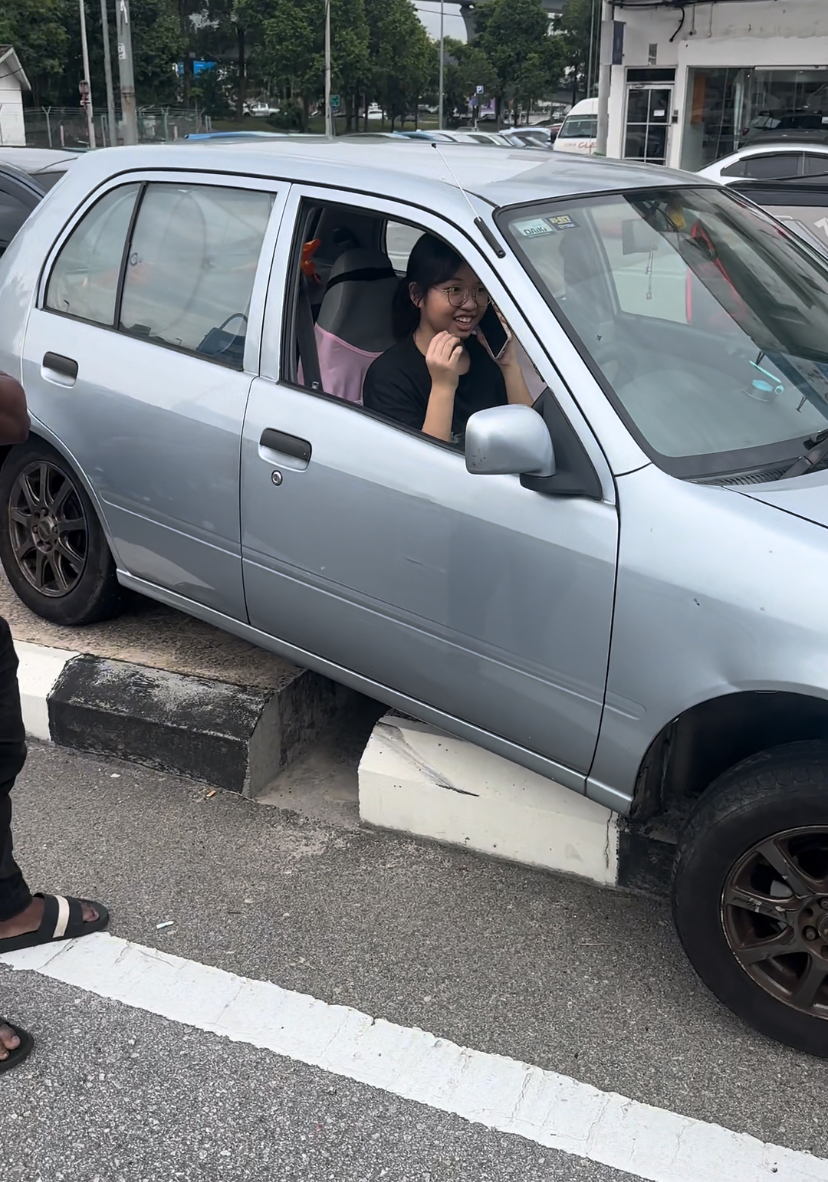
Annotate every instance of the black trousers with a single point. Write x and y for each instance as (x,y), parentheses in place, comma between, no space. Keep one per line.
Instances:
(14,894)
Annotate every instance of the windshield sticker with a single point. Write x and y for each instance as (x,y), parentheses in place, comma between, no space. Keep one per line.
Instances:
(562,221)
(532,228)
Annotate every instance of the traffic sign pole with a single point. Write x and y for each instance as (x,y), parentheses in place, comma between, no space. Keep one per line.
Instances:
(126,73)
(110,96)
(86,89)
(329,123)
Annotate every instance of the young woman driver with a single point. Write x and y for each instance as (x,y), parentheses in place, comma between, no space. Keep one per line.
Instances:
(439,373)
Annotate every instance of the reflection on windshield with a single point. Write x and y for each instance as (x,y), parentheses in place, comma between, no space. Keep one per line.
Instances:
(707,318)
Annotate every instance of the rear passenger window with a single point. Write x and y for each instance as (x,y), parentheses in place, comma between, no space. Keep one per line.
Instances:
(769,168)
(84,280)
(191,266)
(399,242)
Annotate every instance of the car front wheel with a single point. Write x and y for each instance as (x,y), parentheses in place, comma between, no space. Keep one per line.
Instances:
(750,893)
(52,546)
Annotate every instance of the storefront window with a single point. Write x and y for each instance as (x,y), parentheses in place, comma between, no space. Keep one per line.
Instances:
(728,108)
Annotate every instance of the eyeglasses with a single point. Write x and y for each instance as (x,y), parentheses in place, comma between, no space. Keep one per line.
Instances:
(458,296)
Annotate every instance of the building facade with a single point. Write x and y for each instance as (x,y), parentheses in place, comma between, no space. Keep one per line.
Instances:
(692,81)
(13,82)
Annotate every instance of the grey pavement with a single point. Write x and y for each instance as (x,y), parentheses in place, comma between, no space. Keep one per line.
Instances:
(117,1095)
(149,633)
(543,969)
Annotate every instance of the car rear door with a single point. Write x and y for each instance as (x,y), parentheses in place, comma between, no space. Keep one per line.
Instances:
(139,357)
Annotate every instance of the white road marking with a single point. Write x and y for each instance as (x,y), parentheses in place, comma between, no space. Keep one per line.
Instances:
(503,1094)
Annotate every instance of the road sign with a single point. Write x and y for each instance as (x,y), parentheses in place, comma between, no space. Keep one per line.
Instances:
(335,102)
(479,89)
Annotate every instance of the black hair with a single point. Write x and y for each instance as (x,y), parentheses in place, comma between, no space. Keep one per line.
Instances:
(432,261)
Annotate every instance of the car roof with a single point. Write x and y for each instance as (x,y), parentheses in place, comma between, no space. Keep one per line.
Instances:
(34,160)
(405,169)
(763,147)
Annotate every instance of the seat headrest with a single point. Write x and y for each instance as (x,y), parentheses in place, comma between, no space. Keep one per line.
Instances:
(357,304)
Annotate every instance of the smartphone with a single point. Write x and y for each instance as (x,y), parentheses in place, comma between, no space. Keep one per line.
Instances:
(495,332)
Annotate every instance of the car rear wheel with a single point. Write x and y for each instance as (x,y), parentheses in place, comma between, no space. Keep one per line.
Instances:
(750,893)
(52,546)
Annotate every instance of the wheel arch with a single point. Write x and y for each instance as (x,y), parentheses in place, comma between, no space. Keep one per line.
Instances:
(40,433)
(708,738)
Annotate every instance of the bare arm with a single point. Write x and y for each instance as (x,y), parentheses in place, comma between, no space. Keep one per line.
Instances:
(14,417)
(516,388)
(444,358)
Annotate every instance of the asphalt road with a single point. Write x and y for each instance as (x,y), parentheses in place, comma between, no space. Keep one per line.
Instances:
(541,969)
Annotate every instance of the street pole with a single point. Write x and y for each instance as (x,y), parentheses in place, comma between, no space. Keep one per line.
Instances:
(329,125)
(125,72)
(110,94)
(604,79)
(90,125)
(442,63)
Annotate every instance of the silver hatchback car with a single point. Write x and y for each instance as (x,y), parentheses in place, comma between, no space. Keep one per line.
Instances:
(619,587)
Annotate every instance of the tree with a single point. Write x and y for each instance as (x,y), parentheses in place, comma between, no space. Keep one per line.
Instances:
(403,58)
(516,38)
(466,68)
(579,27)
(37,30)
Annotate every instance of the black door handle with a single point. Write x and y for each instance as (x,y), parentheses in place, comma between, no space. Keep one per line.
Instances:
(288,445)
(65,366)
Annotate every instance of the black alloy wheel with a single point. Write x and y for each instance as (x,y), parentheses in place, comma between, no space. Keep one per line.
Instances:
(48,528)
(750,892)
(52,546)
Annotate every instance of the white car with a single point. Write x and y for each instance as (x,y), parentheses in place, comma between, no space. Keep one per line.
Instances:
(579,131)
(789,179)
(771,162)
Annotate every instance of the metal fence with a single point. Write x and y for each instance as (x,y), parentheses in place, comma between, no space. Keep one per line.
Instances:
(66,127)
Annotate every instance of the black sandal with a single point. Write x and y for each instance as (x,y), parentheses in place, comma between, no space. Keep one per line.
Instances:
(16,1057)
(62,920)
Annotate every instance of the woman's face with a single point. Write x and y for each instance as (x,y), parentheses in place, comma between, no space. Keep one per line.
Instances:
(454,306)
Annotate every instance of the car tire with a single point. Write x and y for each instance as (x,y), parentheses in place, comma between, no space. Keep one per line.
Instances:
(750,893)
(53,549)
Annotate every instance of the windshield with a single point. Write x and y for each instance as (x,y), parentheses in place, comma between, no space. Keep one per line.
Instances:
(707,319)
(579,127)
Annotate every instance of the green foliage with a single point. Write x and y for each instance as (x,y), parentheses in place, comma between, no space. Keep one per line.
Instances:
(37,30)
(516,39)
(580,34)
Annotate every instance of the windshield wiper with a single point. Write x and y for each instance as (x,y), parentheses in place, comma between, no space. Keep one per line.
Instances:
(818,450)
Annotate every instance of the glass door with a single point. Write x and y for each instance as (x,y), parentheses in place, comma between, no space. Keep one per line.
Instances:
(647,130)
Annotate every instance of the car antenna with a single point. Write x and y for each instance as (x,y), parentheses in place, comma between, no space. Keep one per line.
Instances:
(478,221)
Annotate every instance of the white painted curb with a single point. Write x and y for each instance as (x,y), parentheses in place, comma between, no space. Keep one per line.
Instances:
(417,780)
(39,670)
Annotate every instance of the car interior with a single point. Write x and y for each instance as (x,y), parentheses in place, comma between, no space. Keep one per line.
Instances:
(348,264)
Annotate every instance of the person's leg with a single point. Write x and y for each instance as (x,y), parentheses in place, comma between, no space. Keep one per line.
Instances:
(19,911)
(14,893)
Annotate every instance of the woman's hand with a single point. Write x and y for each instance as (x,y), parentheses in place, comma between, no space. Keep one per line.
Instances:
(444,359)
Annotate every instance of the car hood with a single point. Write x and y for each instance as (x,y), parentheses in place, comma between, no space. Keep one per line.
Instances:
(803,496)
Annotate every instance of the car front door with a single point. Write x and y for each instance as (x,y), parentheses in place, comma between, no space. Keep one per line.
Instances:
(139,359)
(479,602)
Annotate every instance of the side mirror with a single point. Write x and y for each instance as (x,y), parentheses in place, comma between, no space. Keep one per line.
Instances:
(509,441)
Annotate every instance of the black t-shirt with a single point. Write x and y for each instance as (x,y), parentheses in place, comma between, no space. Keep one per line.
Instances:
(398,385)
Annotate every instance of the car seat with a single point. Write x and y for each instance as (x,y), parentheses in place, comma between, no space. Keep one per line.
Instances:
(354,325)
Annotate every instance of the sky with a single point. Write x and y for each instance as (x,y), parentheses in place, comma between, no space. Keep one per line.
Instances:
(429,11)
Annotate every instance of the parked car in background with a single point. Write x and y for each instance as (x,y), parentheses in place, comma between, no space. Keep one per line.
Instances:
(788,179)
(530,137)
(45,166)
(26,175)
(260,109)
(579,129)
(621,588)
